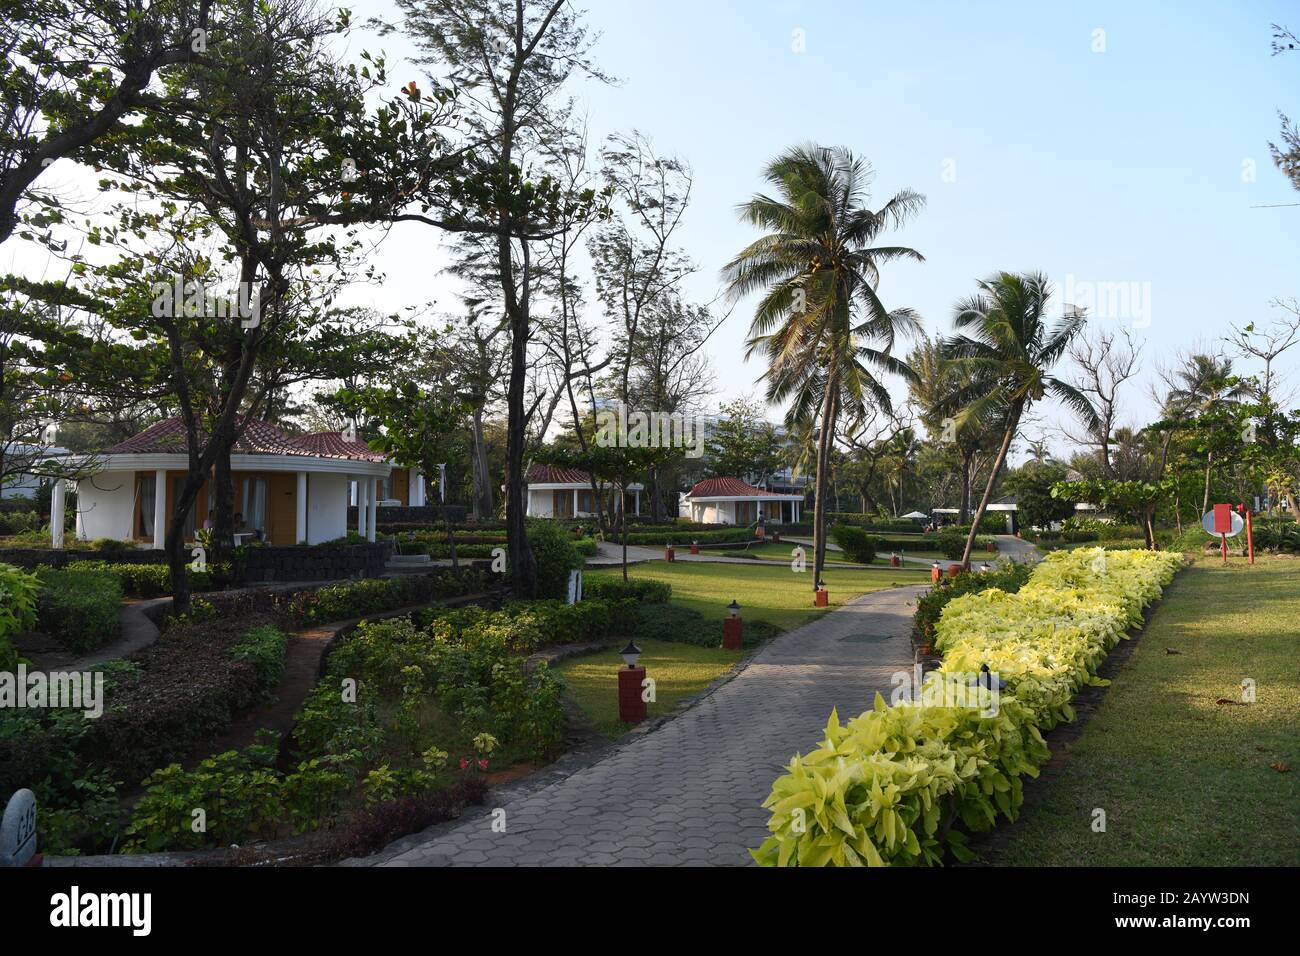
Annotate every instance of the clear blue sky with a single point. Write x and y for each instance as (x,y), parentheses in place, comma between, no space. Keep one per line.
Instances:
(1117,166)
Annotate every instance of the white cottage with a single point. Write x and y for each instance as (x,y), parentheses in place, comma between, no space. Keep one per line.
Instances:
(732,501)
(288,489)
(566,493)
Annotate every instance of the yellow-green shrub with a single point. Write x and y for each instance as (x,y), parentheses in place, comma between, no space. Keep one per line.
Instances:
(898,785)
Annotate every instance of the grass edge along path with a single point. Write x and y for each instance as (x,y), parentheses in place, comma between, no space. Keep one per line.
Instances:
(766,593)
(1183,779)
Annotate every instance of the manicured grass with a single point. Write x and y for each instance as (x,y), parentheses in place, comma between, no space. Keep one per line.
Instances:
(765,592)
(1186,781)
(679,670)
(771,551)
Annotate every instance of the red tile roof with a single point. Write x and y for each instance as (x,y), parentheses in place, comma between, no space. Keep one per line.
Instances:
(334,445)
(167,437)
(550,475)
(729,488)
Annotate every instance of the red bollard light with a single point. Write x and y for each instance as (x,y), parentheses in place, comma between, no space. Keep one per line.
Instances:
(631,705)
(822,597)
(731,628)
(668,552)
(894,562)
(695,547)
(935,573)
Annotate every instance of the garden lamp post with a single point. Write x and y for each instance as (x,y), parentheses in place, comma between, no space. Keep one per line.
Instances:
(631,704)
(821,597)
(668,551)
(935,574)
(695,547)
(731,628)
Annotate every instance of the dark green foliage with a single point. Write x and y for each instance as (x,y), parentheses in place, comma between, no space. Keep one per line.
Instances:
(672,622)
(264,648)
(556,556)
(858,544)
(79,609)
(642,591)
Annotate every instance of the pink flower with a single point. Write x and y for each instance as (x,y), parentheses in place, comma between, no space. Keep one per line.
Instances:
(464,764)
(482,764)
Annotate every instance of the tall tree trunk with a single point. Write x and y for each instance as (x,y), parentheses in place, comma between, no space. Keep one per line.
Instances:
(823,466)
(1013,422)
(967,460)
(223,515)
(178,558)
(483,507)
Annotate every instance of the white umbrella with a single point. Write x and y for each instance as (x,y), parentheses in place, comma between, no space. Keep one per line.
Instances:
(916,514)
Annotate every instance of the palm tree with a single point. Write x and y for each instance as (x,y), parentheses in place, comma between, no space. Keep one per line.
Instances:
(1004,339)
(1207,385)
(1039,451)
(937,381)
(820,321)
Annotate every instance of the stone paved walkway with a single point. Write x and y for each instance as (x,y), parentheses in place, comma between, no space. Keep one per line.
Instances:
(690,792)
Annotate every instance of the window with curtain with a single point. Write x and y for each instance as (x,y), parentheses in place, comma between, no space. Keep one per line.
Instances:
(254,504)
(148,499)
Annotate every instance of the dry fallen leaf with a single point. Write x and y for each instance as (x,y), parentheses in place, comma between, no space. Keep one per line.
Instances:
(1281,767)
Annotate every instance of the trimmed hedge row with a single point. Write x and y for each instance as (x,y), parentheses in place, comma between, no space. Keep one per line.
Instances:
(1008,577)
(899,785)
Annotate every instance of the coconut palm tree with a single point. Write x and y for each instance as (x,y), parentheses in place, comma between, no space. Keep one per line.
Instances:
(820,322)
(1004,340)
(931,392)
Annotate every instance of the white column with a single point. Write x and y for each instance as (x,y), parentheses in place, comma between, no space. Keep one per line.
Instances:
(56,513)
(300,533)
(160,509)
(638,502)
(575,502)
(419,490)
(372,496)
(361,505)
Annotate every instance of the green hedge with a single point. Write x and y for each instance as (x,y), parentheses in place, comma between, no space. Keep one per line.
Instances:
(660,538)
(683,625)
(639,590)
(79,608)
(351,599)
(144,580)
(858,544)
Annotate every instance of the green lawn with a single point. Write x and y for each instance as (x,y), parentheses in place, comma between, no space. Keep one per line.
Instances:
(1186,781)
(679,670)
(765,592)
(781,552)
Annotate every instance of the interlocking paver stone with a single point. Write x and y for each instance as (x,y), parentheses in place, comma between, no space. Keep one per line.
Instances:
(691,792)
